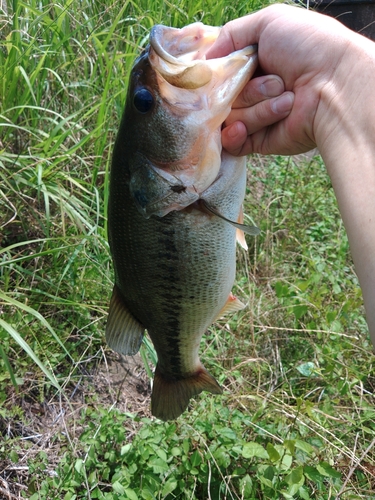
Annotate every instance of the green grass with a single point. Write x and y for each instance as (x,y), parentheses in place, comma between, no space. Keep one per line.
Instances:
(297,419)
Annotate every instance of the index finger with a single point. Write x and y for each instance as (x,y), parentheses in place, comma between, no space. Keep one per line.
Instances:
(235,35)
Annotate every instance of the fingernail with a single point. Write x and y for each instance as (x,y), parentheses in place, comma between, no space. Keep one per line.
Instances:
(271,87)
(283,103)
(232,130)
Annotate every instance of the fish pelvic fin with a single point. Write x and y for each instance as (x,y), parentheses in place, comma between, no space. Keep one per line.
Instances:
(170,397)
(232,305)
(123,332)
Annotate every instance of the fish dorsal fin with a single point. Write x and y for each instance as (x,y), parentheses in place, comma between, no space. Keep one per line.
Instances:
(232,305)
(240,235)
(252,230)
(123,332)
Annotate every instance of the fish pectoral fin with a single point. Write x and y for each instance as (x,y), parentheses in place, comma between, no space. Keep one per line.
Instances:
(252,230)
(170,397)
(123,332)
(232,305)
(240,235)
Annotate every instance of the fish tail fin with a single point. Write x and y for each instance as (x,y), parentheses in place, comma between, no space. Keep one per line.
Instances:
(170,397)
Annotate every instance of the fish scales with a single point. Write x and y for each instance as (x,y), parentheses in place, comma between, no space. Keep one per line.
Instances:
(170,190)
(181,275)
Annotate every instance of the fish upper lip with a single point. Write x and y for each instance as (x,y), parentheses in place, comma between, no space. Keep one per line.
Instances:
(187,37)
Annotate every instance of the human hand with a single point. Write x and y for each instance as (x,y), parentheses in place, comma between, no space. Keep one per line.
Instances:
(330,70)
(261,103)
(305,50)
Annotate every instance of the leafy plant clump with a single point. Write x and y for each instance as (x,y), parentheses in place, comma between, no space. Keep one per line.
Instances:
(214,458)
(297,416)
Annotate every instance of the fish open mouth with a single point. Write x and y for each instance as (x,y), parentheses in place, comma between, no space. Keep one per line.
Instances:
(182,54)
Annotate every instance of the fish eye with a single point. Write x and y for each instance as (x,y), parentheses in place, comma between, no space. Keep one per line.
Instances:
(143,100)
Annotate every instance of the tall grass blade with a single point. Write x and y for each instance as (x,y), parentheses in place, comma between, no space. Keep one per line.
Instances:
(23,307)
(20,341)
(8,366)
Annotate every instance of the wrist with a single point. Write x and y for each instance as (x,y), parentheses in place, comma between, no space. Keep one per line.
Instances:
(347,100)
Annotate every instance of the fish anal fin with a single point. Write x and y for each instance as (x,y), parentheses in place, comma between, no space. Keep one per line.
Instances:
(240,235)
(232,305)
(123,332)
(170,397)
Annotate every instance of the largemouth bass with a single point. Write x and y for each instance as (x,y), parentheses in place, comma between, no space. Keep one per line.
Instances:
(175,208)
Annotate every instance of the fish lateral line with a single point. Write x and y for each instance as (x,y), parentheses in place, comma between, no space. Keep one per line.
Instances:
(251,230)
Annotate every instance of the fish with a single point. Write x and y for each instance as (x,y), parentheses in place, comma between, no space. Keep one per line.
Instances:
(175,208)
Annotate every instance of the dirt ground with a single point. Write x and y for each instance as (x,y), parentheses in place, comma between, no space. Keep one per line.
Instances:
(117,381)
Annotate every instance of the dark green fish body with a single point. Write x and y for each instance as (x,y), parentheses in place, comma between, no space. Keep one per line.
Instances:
(174,259)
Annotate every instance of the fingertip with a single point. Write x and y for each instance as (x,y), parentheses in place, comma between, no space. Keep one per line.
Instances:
(270,85)
(233,137)
(221,47)
(283,104)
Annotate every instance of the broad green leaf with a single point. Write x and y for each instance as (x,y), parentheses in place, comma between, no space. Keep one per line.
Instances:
(266,481)
(286,462)
(169,486)
(287,495)
(313,474)
(161,454)
(195,458)
(175,451)
(228,434)
(295,477)
(273,453)
(303,493)
(307,369)
(299,311)
(289,445)
(253,449)
(68,496)
(281,290)
(78,465)
(306,447)
(118,488)
(246,486)
(125,449)
(326,470)
(131,494)
(186,446)
(222,457)
(158,465)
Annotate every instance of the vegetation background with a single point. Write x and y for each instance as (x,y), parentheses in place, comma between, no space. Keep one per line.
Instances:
(297,416)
